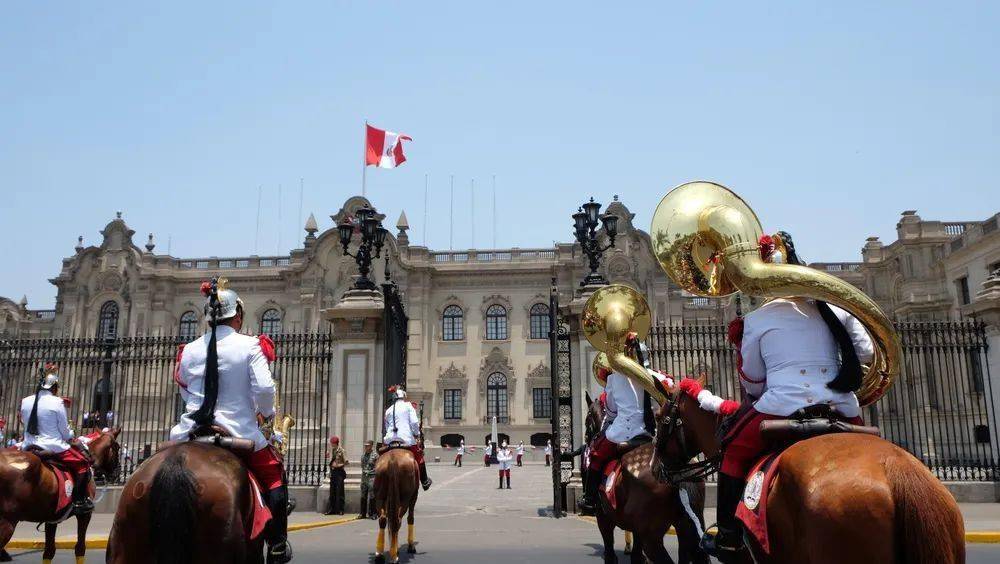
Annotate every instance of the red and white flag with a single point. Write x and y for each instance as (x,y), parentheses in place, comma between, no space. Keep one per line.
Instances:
(384,149)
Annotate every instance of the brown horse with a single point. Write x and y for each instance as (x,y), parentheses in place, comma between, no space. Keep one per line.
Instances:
(648,507)
(188,503)
(844,497)
(28,492)
(397,483)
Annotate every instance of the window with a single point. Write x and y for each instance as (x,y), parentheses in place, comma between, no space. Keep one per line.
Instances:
(270,322)
(539,321)
(963,290)
(107,328)
(540,439)
(496,395)
(451,324)
(453,404)
(103,398)
(541,401)
(496,323)
(188,329)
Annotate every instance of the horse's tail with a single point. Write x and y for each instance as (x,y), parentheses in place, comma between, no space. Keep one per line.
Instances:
(392,478)
(172,511)
(925,510)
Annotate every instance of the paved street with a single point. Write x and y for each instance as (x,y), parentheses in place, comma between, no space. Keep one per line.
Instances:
(465,518)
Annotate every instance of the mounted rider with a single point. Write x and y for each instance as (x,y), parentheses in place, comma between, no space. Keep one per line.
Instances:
(48,431)
(402,428)
(225,382)
(795,354)
(626,421)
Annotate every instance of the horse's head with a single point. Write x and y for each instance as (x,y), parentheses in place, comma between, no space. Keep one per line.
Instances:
(106,453)
(683,431)
(595,417)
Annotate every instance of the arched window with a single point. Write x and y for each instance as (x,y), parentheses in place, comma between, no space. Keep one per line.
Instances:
(270,322)
(107,328)
(496,323)
(539,321)
(452,328)
(496,396)
(188,329)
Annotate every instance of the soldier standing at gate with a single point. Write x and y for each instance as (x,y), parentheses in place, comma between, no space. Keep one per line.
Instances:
(368,460)
(459,453)
(548,452)
(520,453)
(487,452)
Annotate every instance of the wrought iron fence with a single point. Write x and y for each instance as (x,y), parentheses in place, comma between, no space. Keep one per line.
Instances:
(941,409)
(128,382)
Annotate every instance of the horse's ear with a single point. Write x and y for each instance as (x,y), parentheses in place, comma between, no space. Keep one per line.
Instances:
(115,431)
(590,400)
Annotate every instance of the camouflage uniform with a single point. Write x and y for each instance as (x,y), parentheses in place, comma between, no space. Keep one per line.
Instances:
(368,484)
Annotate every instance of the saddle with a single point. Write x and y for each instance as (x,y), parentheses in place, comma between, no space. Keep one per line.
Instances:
(632,444)
(215,436)
(394,445)
(807,423)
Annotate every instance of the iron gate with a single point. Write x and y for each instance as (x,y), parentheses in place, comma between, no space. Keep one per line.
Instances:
(562,402)
(394,322)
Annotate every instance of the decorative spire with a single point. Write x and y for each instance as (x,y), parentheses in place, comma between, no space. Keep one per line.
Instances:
(402,224)
(118,214)
(79,244)
(24,301)
(311,227)
(150,245)
(402,238)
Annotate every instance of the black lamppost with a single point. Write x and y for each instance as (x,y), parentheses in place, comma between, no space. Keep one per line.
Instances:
(372,239)
(585,222)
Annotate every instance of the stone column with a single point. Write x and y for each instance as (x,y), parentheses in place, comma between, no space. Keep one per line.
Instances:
(986,308)
(356,375)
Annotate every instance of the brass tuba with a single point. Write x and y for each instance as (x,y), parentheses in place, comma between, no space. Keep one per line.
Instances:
(611,313)
(280,423)
(600,362)
(705,238)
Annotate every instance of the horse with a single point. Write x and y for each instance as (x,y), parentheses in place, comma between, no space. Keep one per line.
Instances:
(190,502)
(647,507)
(844,497)
(28,491)
(397,484)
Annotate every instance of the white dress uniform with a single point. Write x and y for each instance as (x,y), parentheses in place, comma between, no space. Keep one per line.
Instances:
(791,355)
(520,449)
(624,407)
(488,450)
(245,385)
(402,424)
(504,457)
(461,449)
(53,426)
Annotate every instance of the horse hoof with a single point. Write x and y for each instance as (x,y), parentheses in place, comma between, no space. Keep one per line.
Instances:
(4,556)
(411,549)
(628,551)
(379,559)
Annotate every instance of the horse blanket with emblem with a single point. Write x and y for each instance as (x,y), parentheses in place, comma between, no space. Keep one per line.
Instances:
(752,510)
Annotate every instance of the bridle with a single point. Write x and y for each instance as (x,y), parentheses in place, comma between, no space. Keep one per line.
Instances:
(672,425)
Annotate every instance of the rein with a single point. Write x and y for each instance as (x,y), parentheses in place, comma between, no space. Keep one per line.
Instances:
(690,471)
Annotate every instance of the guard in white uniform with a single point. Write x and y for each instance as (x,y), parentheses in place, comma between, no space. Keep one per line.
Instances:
(504,458)
(402,426)
(459,453)
(520,453)
(487,452)
(230,392)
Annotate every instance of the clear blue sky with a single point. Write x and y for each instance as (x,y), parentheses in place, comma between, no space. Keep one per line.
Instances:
(829,117)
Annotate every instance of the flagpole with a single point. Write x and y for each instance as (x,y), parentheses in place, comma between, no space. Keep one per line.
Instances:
(494,211)
(472,213)
(302,189)
(364,162)
(256,237)
(278,250)
(425,209)
(451,227)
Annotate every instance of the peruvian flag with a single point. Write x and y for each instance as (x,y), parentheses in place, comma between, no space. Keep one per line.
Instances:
(384,149)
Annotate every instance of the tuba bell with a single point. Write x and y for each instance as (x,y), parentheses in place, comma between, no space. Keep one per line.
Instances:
(705,238)
(611,313)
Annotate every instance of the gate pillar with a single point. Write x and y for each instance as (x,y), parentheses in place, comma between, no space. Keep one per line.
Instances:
(356,376)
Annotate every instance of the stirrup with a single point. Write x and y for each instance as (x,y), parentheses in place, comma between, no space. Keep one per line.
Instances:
(722,551)
(83,507)
(281,552)
(427,484)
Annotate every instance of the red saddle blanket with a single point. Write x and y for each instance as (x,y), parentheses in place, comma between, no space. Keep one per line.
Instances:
(612,477)
(261,513)
(64,485)
(752,509)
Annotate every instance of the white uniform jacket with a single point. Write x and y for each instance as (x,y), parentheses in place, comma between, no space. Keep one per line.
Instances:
(245,385)
(548,450)
(461,450)
(624,407)
(53,426)
(488,449)
(504,457)
(402,424)
(789,356)
(520,450)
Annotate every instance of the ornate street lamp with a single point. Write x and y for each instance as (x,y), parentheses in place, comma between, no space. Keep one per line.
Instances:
(585,222)
(372,239)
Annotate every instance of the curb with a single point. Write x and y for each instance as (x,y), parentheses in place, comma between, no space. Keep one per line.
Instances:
(971,537)
(102,541)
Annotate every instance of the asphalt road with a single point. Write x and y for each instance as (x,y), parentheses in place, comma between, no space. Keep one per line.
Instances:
(465,518)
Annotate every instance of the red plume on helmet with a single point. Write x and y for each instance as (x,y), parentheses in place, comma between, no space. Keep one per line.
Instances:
(767,246)
(206,288)
(392,389)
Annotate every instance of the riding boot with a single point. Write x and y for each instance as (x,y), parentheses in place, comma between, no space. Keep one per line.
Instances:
(508,479)
(278,548)
(82,504)
(363,512)
(425,480)
(727,545)
(592,482)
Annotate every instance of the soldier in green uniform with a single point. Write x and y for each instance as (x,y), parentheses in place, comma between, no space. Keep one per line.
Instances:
(368,461)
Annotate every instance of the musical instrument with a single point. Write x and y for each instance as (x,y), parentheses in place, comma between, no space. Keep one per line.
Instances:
(601,363)
(705,238)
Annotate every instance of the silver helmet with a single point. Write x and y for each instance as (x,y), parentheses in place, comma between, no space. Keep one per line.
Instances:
(228,303)
(50,381)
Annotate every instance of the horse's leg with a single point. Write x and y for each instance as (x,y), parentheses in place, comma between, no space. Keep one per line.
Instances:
(411,547)
(607,528)
(380,542)
(637,556)
(655,551)
(394,540)
(628,542)
(6,532)
(50,543)
(80,550)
